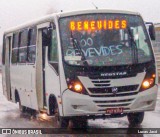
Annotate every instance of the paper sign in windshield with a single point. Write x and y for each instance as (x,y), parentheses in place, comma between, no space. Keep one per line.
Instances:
(73,58)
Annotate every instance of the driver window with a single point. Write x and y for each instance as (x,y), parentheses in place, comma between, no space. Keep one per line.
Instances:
(141,42)
(144,53)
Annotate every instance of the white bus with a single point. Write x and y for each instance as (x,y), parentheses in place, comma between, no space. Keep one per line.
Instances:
(82,65)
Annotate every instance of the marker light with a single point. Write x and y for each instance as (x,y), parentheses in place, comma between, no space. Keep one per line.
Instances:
(153,76)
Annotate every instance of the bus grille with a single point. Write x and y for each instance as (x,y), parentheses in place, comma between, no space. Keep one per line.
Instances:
(125,96)
(107,91)
(101,83)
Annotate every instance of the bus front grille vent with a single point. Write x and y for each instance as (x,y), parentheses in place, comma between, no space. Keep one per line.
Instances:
(108,91)
(101,83)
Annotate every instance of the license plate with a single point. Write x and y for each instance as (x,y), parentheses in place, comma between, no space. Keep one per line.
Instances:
(114,110)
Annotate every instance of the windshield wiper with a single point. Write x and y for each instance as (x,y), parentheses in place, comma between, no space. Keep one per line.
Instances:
(76,46)
(133,46)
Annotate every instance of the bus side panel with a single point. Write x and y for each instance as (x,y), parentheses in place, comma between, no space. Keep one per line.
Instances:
(6,80)
(52,84)
(33,94)
(3,66)
(23,80)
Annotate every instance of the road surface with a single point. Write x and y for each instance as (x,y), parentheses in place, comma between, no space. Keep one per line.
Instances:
(10,117)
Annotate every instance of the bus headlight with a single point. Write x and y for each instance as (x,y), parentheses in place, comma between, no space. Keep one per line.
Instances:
(148,82)
(77,87)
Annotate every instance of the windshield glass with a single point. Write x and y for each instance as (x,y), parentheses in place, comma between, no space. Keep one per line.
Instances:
(104,40)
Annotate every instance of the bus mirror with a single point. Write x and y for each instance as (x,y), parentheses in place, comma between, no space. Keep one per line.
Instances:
(151,30)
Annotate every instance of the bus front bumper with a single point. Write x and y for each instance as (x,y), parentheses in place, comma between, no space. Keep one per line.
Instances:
(75,104)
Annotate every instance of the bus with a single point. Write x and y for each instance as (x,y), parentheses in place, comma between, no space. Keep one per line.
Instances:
(81,65)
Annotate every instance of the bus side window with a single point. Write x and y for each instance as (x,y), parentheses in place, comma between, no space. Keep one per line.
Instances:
(32,45)
(15,48)
(4,51)
(23,46)
(52,50)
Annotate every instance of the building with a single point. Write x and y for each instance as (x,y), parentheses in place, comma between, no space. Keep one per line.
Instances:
(156,46)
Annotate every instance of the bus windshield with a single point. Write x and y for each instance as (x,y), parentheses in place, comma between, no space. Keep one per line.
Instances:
(104,40)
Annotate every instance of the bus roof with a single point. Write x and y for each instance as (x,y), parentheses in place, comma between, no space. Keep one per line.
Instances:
(64,14)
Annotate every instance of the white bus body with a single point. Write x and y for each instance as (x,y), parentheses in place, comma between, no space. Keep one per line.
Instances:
(37,74)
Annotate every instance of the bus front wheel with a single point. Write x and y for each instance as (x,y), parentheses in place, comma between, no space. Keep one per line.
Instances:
(80,122)
(135,119)
(61,121)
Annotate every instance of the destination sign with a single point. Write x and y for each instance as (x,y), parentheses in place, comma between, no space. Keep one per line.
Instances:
(97,25)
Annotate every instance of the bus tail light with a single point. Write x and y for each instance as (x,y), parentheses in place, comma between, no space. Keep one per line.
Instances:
(148,82)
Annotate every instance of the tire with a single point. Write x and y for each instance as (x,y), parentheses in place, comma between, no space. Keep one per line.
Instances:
(135,119)
(61,121)
(31,112)
(80,122)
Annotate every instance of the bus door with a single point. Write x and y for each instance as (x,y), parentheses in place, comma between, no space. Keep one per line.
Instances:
(40,65)
(45,38)
(7,92)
